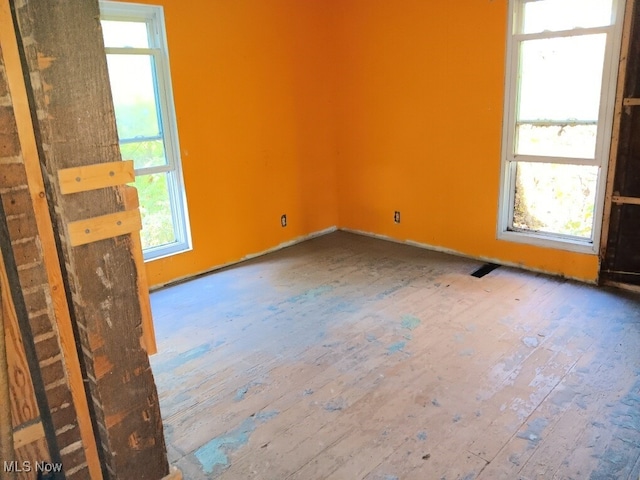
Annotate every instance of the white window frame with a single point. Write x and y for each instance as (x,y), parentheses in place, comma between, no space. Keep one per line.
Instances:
(603,136)
(153,16)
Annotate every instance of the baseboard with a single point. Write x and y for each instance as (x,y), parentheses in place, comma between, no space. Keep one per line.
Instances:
(412,243)
(457,253)
(288,243)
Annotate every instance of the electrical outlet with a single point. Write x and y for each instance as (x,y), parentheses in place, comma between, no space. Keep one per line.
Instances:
(396,216)
(283,220)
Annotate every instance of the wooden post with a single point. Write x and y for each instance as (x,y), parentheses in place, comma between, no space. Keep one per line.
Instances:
(67,83)
(35,183)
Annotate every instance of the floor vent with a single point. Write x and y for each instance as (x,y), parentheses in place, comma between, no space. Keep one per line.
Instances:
(484,269)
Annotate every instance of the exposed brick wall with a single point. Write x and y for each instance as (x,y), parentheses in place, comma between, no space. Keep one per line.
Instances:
(25,241)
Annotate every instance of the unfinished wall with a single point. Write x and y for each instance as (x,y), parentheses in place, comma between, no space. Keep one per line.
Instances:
(25,246)
(420,130)
(254,96)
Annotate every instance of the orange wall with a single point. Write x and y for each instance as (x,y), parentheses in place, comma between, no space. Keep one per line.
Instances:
(255,101)
(421,104)
(339,112)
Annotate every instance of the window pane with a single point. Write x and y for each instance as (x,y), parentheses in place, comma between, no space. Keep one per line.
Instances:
(557,15)
(134,95)
(555,198)
(569,141)
(125,34)
(560,82)
(155,208)
(144,154)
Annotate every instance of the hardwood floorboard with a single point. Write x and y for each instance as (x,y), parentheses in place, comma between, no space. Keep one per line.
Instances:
(347,357)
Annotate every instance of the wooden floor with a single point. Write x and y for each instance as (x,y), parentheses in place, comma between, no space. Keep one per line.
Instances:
(347,357)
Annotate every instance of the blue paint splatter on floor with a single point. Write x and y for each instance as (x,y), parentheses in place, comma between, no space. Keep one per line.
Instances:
(533,433)
(396,347)
(410,322)
(310,294)
(241,392)
(469,352)
(308,391)
(389,291)
(342,306)
(391,477)
(530,341)
(335,405)
(619,458)
(183,358)
(422,436)
(371,338)
(213,455)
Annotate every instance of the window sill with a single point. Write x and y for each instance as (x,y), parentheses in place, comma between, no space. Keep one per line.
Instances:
(157,253)
(549,241)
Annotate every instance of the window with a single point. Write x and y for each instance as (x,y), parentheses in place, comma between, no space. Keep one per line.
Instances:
(560,90)
(138,62)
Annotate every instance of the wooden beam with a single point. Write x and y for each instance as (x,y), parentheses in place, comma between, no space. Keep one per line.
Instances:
(131,202)
(92,177)
(620,200)
(31,158)
(112,225)
(631,102)
(64,54)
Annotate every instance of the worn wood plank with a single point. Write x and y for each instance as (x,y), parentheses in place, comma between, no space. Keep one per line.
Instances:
(347,357)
